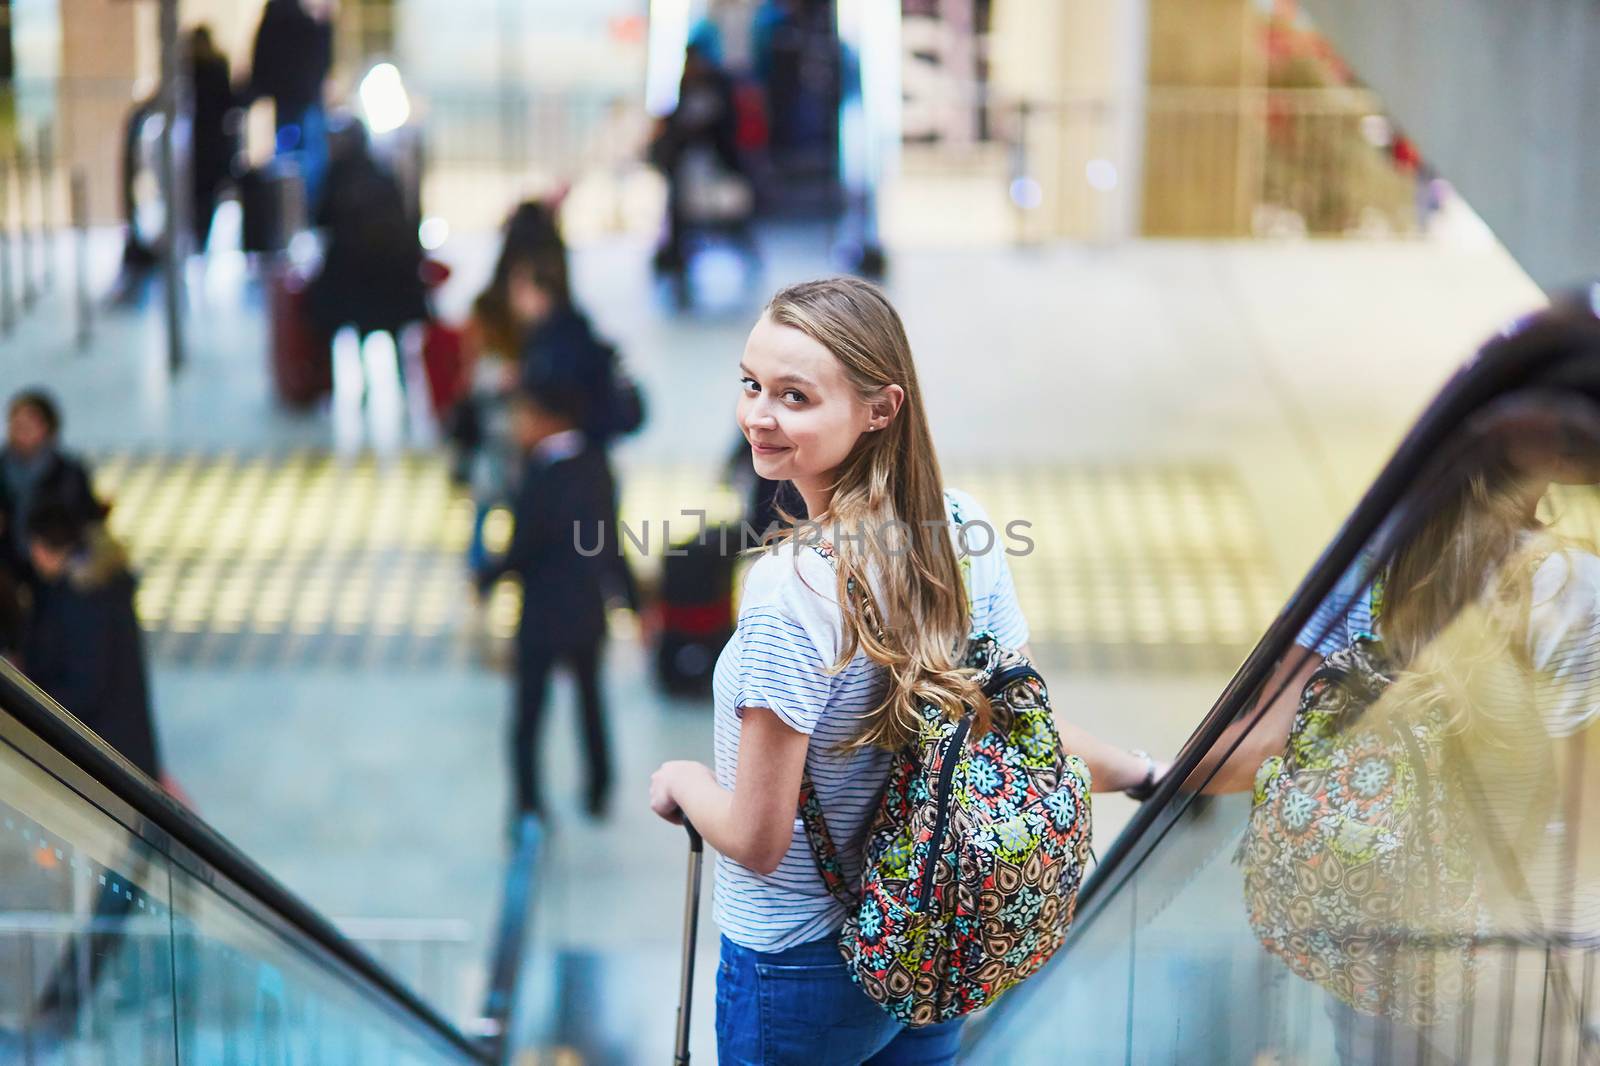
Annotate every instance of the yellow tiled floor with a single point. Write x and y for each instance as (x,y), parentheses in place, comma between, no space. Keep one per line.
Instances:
(308,558)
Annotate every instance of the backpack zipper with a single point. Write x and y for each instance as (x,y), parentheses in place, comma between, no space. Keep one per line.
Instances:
(947,773)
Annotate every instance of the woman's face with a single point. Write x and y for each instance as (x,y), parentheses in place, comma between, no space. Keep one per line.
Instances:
(797,407)
(528,303)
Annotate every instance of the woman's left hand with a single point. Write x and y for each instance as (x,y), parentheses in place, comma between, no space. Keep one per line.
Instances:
(663,784)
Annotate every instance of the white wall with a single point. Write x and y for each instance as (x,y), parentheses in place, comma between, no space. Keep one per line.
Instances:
(1502,98)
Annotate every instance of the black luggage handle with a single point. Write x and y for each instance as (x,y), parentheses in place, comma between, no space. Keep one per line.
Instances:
(691,922)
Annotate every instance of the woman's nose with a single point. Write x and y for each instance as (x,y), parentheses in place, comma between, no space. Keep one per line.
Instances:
(759,416)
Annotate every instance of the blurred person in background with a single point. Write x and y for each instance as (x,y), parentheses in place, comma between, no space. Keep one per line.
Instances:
(213,144)
(563,508)
(35,472)
(289,62)
(697,141)
(371,276)
(480,425)
(83,644)
(560,350)
(11,615)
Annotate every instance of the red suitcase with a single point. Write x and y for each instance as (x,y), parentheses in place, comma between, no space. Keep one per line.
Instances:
(302,356)
(444,363)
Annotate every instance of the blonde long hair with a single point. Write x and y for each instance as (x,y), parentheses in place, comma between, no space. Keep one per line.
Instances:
(1458,601)
(916,625)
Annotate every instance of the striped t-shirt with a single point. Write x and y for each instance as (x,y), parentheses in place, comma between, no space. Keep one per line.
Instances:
(787,638)
(1346,615)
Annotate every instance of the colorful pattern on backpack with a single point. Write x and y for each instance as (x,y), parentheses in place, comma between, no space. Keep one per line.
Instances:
(974,858)
(1357,874)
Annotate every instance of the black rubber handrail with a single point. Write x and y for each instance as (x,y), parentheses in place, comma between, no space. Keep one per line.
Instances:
(37,712)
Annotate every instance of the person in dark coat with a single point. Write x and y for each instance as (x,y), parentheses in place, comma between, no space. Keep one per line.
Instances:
(213,143)
(371,270)
(290,60)
(559,548)
(34,472)
(83,643)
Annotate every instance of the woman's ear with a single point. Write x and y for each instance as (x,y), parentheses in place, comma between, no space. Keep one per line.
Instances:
(885,406)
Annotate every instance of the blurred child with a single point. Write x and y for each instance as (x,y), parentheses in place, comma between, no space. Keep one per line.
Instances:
(563,551)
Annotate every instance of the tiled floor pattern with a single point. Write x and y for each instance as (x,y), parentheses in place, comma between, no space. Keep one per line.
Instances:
(304,559)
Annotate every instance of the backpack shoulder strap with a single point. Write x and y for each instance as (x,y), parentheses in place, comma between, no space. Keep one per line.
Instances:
(823,850)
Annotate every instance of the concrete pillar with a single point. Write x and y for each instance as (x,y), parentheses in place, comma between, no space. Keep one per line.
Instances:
(108,61)
(1203,153)
(1080,66)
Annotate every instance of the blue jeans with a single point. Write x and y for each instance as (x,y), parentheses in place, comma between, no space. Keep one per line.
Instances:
(799,1006)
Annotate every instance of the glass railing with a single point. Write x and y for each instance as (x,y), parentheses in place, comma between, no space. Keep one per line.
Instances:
(129,932)
(1375,849)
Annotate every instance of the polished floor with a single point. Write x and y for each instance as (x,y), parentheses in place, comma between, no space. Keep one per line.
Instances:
(1183,425)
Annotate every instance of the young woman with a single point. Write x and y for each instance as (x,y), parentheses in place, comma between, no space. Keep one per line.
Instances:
(496,331)
(828,666)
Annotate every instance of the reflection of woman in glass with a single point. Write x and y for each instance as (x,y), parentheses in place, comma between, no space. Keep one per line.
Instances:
(1496,621)
(1488,623)
(1488,529)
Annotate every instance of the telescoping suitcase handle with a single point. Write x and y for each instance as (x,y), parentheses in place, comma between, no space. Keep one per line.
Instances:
(691,926)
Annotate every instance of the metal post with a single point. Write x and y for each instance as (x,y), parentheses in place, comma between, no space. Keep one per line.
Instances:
(171,193)
(80,247)
(26,258)
(8,295)
(46,174)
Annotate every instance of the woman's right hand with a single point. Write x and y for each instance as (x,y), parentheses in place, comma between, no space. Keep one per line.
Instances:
(662,802)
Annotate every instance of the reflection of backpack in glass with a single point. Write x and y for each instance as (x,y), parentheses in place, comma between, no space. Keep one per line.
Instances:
(1357,872)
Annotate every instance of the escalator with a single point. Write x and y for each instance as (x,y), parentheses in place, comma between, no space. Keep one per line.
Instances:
(1389,902)
(131,933)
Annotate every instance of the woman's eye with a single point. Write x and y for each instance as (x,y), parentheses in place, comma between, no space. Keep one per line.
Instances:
(748,384)
(794,397)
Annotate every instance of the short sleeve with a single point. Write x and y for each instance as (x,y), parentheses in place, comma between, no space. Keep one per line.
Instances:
(1564,641)
(997,610)
(788,638)
(1344,615)
(994,595)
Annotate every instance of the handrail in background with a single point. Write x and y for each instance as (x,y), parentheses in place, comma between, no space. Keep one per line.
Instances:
(54,725)
(511,941)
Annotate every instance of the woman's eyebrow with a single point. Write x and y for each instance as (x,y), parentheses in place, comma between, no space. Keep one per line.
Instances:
(782,379)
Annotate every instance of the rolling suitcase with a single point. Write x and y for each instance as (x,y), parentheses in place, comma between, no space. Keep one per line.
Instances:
(444,363)
(695,611)
(691,929)
(302,355)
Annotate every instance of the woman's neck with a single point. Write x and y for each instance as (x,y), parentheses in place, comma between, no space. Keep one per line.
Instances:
(817,498)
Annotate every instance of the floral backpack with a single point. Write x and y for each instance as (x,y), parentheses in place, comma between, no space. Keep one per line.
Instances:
(1358,873)
(974,858)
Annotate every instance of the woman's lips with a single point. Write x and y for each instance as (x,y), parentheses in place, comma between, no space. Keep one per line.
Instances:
(767,449)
